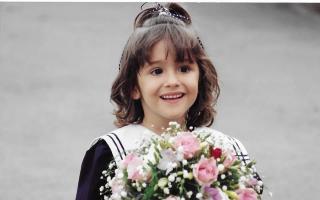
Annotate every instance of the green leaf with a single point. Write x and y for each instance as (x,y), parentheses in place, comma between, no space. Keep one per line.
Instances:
(150,190)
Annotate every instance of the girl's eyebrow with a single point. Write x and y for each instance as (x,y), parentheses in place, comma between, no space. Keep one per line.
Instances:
(154,62)
(149,64)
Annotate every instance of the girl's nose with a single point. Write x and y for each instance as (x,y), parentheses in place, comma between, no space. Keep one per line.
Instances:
(172,80)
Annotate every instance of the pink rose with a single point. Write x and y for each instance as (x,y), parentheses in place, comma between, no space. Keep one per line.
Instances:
(230,158)
(127,160)
(171,198)
(247,194)
(135,169)
(206,171)
(189,143)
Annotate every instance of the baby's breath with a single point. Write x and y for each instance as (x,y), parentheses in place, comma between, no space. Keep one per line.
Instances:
(166,171)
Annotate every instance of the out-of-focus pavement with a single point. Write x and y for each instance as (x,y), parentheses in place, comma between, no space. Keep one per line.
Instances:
(58,60)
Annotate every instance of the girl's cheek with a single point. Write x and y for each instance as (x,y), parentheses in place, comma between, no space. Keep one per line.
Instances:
(192,78)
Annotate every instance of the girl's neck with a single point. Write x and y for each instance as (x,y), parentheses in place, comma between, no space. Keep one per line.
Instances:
(159,128)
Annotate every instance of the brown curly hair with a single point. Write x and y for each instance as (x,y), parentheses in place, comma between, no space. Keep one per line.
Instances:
(150,27)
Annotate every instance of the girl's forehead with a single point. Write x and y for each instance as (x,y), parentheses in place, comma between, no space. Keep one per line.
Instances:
(164,50)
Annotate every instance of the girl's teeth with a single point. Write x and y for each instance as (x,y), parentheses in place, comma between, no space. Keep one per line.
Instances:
(172,97)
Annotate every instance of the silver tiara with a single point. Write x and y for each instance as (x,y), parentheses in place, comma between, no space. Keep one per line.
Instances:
(157,7)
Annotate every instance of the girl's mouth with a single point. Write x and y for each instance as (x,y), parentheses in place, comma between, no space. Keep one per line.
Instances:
(172,98)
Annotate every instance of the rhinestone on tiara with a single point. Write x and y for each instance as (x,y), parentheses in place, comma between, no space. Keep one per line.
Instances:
(157,7)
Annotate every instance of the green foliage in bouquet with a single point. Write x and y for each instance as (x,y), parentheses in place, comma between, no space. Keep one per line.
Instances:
(181,165)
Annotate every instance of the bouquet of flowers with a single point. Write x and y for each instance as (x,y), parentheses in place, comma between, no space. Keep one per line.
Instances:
(181,165)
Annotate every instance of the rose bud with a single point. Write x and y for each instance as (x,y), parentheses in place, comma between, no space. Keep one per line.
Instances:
(216,153)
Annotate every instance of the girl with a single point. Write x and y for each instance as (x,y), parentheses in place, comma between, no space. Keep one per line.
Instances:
(165,75)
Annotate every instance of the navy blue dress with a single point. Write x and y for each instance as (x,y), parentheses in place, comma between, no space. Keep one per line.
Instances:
(94,162)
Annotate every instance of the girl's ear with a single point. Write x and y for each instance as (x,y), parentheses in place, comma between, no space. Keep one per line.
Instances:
(135,93)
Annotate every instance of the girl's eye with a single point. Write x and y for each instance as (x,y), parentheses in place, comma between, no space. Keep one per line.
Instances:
(184,69)
(156,71)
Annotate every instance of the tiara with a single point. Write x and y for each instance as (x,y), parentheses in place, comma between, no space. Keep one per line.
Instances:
(161,10)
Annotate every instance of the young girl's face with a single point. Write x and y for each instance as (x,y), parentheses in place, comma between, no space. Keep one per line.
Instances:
(166,88)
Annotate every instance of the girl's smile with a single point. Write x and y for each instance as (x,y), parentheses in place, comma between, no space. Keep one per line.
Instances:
(172,97)
(166,88)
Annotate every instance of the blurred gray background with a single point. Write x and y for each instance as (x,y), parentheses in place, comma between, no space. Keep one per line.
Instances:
(58,61)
